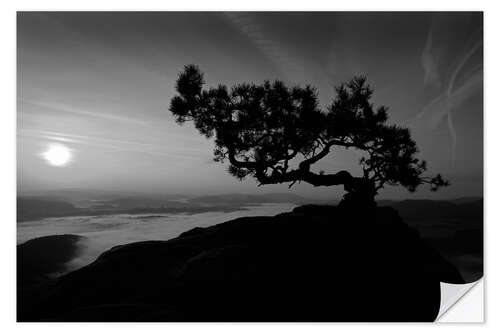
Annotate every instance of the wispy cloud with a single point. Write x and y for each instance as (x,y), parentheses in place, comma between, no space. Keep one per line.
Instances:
(440,109)
(429,62)
(289,66)
(64,108)
(117,145)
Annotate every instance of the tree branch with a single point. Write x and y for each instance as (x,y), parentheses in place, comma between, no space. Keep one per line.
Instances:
(306,164)
(340,178)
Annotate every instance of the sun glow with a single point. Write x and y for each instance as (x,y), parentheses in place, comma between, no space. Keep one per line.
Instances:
(57,155)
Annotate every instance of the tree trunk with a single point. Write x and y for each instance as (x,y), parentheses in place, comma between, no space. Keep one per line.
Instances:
(360,190)
(360,194)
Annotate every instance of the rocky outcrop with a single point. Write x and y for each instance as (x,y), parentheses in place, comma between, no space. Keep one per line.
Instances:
(316,263)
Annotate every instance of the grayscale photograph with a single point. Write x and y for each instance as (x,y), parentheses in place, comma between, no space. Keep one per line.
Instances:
(247,166)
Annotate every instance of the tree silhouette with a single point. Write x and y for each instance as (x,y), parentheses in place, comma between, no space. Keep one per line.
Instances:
(275,134)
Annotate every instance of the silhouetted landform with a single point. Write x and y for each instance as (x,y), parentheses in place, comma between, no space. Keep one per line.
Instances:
(316,263)
(455,230)
(35,208)
(80,195)
(436,209)
(463,200)
(454,227)
(248,199)
(40,258)
(132,202)
(226,200)
(92,199)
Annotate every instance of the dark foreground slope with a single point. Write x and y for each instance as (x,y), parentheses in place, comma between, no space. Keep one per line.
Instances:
(317,263)
(455,230)
(41,257)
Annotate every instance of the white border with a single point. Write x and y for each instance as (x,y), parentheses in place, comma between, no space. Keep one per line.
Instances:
(7,132)
(257,5)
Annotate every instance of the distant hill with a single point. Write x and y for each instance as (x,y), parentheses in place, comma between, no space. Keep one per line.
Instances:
(141,202)
(40,257)
(437,209)
(86,198)
(35,208)
(466,210)
(455,230)
(463,200)
(237,198)
(73,195)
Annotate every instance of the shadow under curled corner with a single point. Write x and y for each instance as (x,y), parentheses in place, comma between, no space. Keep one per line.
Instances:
(451,294)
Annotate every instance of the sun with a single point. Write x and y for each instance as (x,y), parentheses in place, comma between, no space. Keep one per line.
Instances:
(57,155)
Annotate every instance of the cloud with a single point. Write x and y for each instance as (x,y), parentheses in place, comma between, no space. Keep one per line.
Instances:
(440,109)
(429,62)
(288,66)
(60,107)
(104,232)
(117,145)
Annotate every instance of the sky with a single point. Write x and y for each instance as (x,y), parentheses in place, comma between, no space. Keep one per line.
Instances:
(99,84)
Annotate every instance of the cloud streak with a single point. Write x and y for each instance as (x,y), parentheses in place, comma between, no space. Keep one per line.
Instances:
(431,74)
(288,66)
(440,108)
(64,108)
(116,145)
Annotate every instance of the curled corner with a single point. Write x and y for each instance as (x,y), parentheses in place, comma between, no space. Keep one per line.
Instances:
(451,295)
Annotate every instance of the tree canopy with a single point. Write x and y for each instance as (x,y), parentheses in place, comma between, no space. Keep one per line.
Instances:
(275,133)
